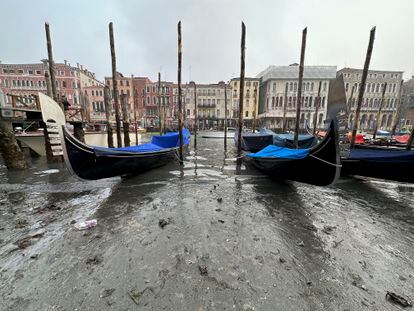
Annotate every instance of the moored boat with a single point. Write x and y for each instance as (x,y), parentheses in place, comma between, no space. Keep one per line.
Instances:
(319,165)
(380,162)
(89,162)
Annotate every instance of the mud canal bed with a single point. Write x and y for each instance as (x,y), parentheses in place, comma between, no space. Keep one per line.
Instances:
(202,238)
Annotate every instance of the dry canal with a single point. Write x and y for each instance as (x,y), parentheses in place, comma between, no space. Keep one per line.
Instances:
(202,238)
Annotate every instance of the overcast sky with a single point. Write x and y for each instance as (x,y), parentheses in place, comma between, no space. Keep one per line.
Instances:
(146,34)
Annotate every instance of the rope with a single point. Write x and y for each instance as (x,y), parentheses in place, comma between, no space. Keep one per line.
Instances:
(327,162)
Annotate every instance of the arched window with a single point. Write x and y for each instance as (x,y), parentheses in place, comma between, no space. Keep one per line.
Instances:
(248,93)
(273,102)
(295,87)
(320,118)
(377,88)
(277,101)
(312,87)
(393,88)
(290,101)
(291,86)
(370,103)
(310,101)
(280,101)
(368,87)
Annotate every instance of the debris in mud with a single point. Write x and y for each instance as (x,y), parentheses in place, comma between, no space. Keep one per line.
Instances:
(136,294)
(73,221)
(397,299)
(328,229)
(260,259)
(203,270)
(106,292)
(27,241)
(24,243)
(218,209)
(282,260)
(300,243)
(309,283)
(95,260)
(336,244)
(50,207)
(221,221)
(21,223)
(34,256)
(311,227)
(163,222)
(358,282)
(87,224)
(219,200)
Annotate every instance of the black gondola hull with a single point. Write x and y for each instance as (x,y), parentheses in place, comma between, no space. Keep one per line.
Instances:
(83,162)
(321,167)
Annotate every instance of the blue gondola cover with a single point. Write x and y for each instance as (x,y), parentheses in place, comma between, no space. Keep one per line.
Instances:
(272,151)
(158,143)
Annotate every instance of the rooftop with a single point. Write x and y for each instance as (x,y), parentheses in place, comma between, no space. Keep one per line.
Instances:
(292,72)
(371,71)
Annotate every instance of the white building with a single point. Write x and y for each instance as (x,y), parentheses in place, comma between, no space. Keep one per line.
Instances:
(372,96)
(279,85)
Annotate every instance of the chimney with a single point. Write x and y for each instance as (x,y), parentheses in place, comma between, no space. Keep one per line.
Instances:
(66,62)
(81,67)
(77,65)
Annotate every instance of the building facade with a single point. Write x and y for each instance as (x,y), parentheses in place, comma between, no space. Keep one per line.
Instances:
(279,86)
(25,80)
(408,104)
(210,104)
(250,100)
(376,81)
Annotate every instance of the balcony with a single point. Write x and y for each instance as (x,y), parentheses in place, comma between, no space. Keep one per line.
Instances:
(206,105)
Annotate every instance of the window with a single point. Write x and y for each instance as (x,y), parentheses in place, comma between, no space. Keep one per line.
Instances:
(393,88)
(20,71)
(324,86)
(312,87)
(295,87)
(346,87)
(23,83)
(247,114)
(377,88)
(121,83)
(63,83)
(291,87)
(127,83)
(274,86)
(30,72)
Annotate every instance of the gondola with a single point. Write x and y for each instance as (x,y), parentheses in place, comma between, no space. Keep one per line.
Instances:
(92,163)
(384,163)
(89,162)
(319,165)
(257,141)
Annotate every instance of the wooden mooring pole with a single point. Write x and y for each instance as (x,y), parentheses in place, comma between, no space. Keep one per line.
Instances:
(254,110)
(396,115)
(180,105)
(241,91)
(195,116)
(299,97)
(410,140)
(115,86)
(159,103)
(284,110)
(225,117)
(51,63)
(125,119)
(135,100)
(362,86)
(379,110)
(109,130)
(317,104)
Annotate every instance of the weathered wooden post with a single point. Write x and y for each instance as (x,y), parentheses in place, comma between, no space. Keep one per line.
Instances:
(135,100)
(125,119)
(51,64)
(317,103)
(396,115)
(284,109)
(164,116)
(254,109)
(48,85)
(115,86)
(225,117)
(299,100)
(410,140)
(241,91)
(379,110)
(159,103)
(12,154)
(180,108)
(109,130)
(195,116)
(362,86)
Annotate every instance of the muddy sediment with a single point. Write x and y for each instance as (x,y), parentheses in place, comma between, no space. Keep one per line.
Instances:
(202,238)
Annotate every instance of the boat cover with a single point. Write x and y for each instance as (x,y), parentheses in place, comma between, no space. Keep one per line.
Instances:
(375,155)
(158,143)
(286,140)
(402,139)
(272,151)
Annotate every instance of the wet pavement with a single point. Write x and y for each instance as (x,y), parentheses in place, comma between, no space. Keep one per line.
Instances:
(202,237)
